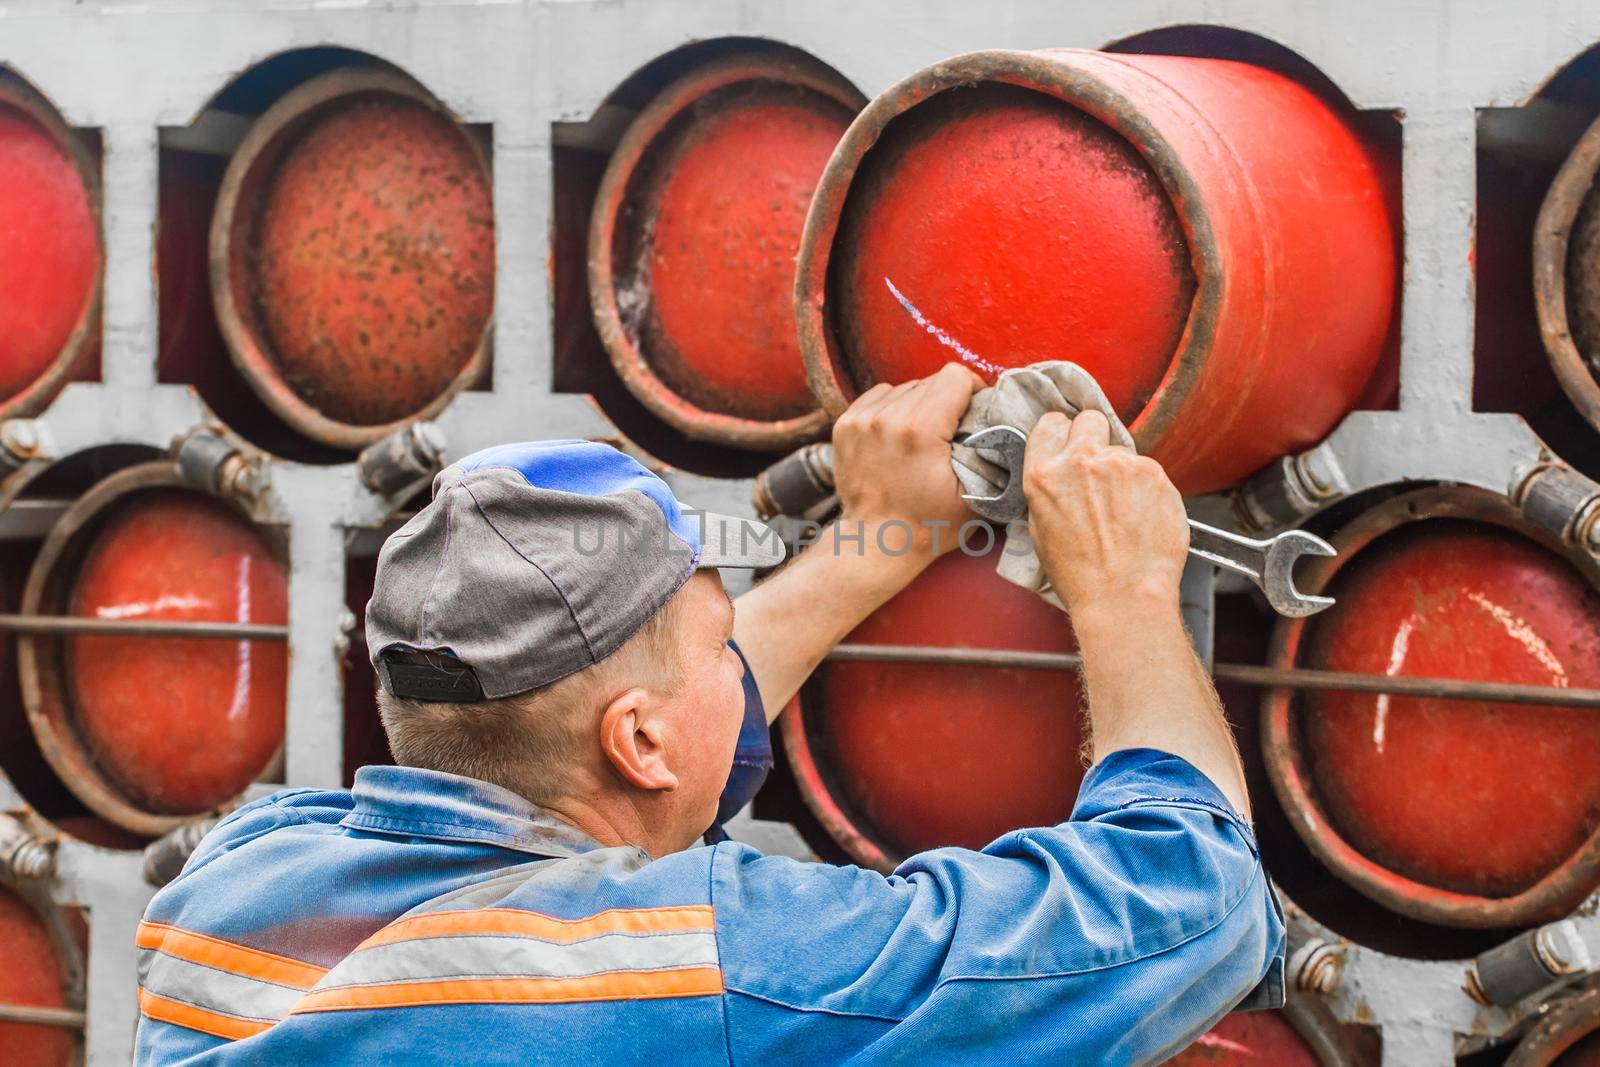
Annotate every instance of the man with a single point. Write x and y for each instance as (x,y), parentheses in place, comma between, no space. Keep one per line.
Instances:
(566,703)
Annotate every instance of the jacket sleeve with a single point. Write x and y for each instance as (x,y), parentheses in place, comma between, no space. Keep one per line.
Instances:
(1116,937)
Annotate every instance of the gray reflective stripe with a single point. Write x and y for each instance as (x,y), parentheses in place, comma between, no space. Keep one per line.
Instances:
(503,956)
(214,990)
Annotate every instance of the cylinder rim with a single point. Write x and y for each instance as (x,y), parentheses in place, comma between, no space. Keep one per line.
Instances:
(1569,1022)
(1553,895)
(37,395)
(1083,89)
(635,371)
(43,690)
(1551,234)
(257,154)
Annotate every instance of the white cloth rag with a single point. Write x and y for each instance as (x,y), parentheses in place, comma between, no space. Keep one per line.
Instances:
(1020,397)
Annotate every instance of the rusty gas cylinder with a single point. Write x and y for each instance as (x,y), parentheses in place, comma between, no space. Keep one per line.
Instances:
(1567,1035)
(1456,812)
(1566,275)
(1211,240)
(693,239)
(33,977)
(352,256)
(49,252)
(150,730)
(895,758)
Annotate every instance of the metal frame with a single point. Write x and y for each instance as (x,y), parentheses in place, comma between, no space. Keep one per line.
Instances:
(129,69)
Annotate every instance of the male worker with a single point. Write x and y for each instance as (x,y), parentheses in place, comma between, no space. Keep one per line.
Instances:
(563,694)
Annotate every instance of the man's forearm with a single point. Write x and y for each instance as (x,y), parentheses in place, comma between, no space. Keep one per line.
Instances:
(785,625)
(1147,689)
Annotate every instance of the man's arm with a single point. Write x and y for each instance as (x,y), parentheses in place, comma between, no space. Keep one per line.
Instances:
(892,466)
(1109,527)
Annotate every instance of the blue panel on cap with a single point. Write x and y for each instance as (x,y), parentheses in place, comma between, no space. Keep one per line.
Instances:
(589,468)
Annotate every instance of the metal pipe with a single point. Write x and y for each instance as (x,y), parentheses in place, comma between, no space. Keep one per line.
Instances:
(77,624)
(65,1018)
(1243,673)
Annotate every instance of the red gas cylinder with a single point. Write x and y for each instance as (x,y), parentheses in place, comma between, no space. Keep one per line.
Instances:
(149,730)
(1152,218)
(1426,805)
(32,977)
(49,252)
(693,239)
(1250,1039)
(352,256)
(895,758)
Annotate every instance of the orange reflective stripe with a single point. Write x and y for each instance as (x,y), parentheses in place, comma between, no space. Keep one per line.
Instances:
(192,1018)
(616,985)
(689,918)
(227,956)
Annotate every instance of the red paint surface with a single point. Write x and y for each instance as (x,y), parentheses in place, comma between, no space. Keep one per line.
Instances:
(31,976)
(1257,1038)
(1469,797)
(1024,229)
(376,259)
(48,249)
(935,755)
(180,725)
(1027,231)
(724,228)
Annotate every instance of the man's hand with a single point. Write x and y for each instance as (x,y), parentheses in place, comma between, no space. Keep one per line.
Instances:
(892,461)
(1106,523)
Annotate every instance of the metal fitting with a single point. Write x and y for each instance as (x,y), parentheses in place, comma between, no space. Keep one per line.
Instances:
(209,462)
(1528,964)
(165,856)
(22,854)
(1283,494)
(22,441)
(795,484)
(1558,499)
(346,635)
(409,455)
(1318,967)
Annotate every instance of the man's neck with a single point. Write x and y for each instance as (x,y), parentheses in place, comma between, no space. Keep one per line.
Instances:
(611,821)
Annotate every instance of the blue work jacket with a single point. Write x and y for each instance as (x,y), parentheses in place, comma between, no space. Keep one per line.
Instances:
(427,918)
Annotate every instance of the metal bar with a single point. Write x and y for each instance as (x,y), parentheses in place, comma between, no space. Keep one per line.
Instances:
(1243,673)
(77,624)
(26,1013)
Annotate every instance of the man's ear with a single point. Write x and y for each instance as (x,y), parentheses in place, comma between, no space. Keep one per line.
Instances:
(631,737)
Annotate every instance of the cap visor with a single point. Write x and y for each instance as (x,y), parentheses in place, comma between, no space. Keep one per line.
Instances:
(727,541)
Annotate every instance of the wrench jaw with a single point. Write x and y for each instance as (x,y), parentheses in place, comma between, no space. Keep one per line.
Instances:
(1005,447)
(1277,578)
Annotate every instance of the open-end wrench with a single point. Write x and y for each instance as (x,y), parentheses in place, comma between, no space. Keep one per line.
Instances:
(1268,562)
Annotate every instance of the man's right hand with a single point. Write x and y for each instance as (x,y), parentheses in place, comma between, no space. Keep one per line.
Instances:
(1107,524)
(892,460)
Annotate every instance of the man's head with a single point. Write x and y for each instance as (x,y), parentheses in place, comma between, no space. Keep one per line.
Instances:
(553,623)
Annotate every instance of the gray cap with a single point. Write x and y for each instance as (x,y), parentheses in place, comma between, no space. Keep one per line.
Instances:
(534,561)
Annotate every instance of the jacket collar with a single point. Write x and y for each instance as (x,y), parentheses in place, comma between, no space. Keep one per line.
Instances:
(413,802)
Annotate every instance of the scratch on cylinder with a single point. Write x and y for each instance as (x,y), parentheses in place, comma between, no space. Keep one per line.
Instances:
(966,354)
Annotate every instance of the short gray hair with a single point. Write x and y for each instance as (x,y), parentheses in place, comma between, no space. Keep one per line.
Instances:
(528,742)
